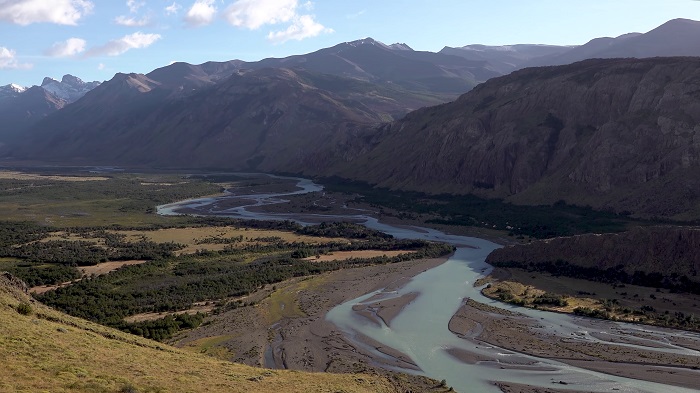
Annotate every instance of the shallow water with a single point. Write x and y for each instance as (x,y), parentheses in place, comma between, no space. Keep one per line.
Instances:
(420,330)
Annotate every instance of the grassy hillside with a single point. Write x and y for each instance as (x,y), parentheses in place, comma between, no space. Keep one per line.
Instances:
(44,350)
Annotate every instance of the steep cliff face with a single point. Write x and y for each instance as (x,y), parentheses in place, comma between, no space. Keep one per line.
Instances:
(646,256)
(615,134)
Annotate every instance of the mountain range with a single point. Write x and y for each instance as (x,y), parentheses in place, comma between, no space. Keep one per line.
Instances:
(69,89)
(21,107)
(612,134)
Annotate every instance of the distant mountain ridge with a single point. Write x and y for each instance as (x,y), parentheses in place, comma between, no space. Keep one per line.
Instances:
(22,107)
(677,37)
(612,134)
(260,119)
(506,58)
(69,89)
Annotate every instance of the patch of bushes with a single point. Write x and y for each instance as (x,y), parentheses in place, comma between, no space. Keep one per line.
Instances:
(24,308)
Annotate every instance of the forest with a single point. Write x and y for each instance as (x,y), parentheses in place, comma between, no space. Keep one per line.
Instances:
(541,222)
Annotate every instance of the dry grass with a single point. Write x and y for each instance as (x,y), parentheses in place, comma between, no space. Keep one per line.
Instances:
(49,351)
(99,212)
(190,237)
(13,175)
(98,270)
(345,255)
(203,307)
(528,293)
(630,296)
(212,346)
(108,267)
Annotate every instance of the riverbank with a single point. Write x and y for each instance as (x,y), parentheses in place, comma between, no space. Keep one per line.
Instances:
(486,325)
(290,331)
(287,328)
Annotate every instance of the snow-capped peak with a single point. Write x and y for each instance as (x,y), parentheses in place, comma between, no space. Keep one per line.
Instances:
(367,41)
(17,88)
(70,88)
(11,90)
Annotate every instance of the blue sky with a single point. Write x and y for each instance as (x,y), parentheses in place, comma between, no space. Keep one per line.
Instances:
(94,39)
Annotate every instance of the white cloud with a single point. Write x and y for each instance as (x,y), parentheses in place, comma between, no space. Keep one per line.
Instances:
(69,47)
(9,61)
(134,5)
(62,12)
(172,9)
(132,22)
(201,13)
(303,27)
(116,47)
(253,14)
(101,66)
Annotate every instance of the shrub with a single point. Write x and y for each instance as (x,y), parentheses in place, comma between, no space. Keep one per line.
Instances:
(24,308)
(128,388)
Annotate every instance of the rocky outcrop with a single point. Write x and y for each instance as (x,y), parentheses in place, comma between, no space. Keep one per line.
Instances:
(7,280)
(618,134)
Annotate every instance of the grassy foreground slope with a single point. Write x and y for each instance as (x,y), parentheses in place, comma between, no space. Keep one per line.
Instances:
(44,350)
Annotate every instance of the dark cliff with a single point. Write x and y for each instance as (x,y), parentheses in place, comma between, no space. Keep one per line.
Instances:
(616,134)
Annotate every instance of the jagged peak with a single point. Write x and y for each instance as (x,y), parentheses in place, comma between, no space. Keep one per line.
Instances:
(368,41)
(400,46)
(48,80)
(72,80)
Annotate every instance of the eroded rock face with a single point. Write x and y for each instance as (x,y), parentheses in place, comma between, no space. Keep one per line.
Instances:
(10,281)
(621,134)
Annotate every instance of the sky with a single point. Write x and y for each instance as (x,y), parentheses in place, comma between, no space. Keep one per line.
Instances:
(94,39)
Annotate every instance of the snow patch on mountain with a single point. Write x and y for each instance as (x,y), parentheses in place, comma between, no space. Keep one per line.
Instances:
(11,90)
(400,46)
(70,88)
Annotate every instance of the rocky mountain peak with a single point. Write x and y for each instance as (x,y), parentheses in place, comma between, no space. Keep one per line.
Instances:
(47,80)
(400,46)
(11,90)
(70,88)
(71,80)
(16,87)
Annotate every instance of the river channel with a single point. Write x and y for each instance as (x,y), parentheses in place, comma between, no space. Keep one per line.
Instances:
(421,328)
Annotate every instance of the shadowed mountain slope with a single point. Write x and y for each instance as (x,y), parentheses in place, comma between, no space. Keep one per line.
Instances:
(654,256)
(263,119)
(613,134)
(24,109)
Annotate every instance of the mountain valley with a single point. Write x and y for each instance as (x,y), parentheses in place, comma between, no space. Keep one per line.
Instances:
(485,218)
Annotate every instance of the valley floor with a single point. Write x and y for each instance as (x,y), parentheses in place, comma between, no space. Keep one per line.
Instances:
(288,329)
